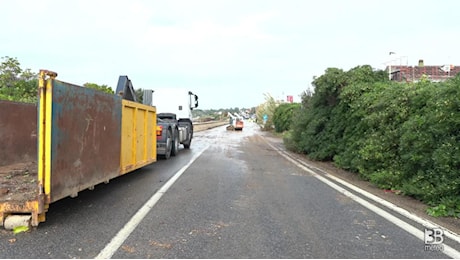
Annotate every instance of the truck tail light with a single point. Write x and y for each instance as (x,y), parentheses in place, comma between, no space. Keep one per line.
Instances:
(159,130)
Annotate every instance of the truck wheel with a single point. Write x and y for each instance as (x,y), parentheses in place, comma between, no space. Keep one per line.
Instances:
(189,142)
(168,145)
(175,142)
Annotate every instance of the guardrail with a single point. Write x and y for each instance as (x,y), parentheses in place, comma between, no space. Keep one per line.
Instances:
(201,126)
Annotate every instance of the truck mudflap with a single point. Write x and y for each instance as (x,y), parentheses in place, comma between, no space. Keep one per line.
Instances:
(83,137)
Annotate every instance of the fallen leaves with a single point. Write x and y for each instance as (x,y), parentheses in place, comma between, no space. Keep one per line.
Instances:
(162,245)
(128,249)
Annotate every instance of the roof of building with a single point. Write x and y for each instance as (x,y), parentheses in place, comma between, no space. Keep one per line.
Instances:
(414,73)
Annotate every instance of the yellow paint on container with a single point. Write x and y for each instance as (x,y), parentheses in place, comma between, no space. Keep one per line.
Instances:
(44,146)
(138,138)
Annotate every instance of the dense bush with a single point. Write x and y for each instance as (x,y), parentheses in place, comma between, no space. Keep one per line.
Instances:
(324,120)
(401,136)
(282,117)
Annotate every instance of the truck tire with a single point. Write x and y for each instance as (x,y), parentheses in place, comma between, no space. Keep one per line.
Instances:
(189,141)
(168,145)
(175,144)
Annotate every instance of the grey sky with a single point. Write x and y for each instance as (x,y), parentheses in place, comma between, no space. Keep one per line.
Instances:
(228,52)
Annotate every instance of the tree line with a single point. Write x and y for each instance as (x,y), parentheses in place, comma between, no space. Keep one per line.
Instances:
(21,85)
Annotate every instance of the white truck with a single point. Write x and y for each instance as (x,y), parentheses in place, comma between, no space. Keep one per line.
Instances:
(174,118)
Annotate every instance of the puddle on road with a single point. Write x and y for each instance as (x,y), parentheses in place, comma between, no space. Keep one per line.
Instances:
(221,132)
(223,141)
(220,137)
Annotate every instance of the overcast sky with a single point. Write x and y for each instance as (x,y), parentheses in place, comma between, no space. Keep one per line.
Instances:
(228,52)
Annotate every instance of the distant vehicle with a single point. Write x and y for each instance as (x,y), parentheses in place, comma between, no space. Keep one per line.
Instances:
(236,122)
(239,124)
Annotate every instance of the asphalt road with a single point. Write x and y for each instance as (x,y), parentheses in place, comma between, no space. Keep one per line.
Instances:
(237,197)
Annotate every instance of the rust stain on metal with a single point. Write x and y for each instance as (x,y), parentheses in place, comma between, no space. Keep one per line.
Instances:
(18,132)
(86,134)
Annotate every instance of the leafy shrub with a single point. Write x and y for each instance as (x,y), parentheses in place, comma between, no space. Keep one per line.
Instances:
(400,136)
(283,116)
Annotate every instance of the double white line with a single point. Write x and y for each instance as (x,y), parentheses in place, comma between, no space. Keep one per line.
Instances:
(449,251)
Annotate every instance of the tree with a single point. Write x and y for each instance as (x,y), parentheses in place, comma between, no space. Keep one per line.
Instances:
(17,84)
(103,88)
(139,95)
(267,108)
(10,69)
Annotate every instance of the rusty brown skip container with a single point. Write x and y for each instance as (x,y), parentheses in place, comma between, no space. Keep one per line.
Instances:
(78,144)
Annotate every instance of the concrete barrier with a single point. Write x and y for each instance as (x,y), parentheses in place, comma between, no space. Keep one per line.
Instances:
(202,126)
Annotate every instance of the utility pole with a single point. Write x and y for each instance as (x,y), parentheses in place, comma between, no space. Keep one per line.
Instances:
(389,67)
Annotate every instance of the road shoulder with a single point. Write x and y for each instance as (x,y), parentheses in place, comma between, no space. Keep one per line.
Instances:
(408,203)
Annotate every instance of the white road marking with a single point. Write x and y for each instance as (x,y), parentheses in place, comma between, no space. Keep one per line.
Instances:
(425,222)
(110,249)
(449,251)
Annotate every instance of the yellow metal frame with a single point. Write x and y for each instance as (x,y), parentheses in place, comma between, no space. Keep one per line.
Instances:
(138,136)
(45,87)
(38,206)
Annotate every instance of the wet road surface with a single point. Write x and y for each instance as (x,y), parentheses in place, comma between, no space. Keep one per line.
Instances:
(236,197)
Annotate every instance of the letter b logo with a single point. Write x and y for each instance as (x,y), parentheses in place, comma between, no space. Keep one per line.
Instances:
(434,236)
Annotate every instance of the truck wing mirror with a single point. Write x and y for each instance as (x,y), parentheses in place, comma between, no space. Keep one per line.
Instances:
(195,104)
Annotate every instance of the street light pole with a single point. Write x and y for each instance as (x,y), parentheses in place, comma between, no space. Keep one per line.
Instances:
(389,71)
(389,67)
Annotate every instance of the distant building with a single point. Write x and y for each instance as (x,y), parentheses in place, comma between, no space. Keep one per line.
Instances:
(415,73)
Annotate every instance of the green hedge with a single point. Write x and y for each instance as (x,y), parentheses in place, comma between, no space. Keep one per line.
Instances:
(401,136)
(282,117)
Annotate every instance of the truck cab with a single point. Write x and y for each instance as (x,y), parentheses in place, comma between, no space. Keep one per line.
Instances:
(174,118)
